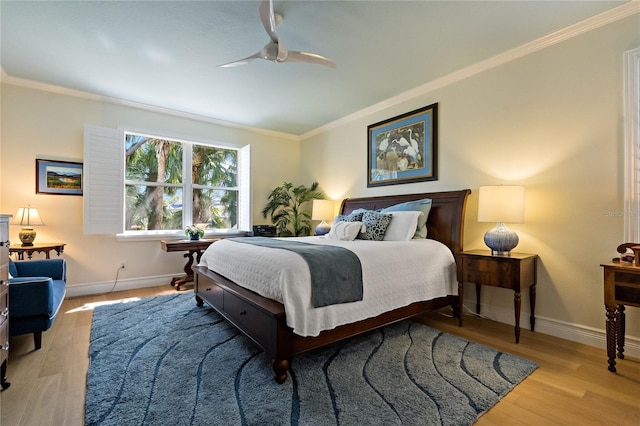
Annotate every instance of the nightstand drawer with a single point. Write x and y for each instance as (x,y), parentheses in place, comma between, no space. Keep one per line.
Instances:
(485,272)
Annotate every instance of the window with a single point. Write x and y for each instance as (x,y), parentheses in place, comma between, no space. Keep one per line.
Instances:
(170,184)
(145,185)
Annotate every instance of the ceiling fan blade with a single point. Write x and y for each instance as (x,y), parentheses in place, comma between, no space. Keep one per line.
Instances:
(310,58)
(242,61)
(275,51)
(268,18)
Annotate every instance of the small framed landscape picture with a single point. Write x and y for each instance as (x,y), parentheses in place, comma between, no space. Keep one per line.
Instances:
(403,149)
(58,177)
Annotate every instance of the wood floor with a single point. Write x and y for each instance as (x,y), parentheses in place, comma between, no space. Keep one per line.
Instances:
(571,387)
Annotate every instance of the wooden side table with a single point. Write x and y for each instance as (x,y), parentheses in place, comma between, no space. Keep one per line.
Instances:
(621,287)
(37,248)
(516,272)
(193,248)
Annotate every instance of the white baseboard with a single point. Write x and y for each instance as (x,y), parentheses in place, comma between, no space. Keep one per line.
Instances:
(87,289)
(574,332)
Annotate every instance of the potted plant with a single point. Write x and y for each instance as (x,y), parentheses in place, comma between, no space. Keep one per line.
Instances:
(285,206)
(194,232)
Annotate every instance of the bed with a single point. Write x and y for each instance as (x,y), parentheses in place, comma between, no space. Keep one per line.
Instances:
(264,319)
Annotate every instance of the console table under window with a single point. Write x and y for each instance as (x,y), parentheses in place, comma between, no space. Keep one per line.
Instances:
(193,248)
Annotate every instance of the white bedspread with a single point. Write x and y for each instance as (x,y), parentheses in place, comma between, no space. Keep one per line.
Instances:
(394,273)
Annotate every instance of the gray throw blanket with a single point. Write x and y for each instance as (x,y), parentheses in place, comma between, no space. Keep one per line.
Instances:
(336,273)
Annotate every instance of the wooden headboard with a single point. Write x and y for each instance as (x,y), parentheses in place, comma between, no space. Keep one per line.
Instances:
(446,218)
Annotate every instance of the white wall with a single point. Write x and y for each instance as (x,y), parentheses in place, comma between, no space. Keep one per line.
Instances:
(40,124)
(551,121)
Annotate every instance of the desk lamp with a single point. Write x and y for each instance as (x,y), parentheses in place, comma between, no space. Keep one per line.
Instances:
(501,203)
(27,217)
(322,210)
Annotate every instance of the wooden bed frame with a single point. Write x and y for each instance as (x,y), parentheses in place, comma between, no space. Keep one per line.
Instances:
(264,321)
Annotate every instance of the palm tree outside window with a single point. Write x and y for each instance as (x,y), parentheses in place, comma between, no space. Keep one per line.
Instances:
(171,184)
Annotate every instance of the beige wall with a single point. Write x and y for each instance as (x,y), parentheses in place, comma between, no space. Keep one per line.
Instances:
(551,121)
(39,124)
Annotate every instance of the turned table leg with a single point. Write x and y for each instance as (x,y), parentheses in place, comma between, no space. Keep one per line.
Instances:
(611,337)
(532,305)
(516,307)
(620,325)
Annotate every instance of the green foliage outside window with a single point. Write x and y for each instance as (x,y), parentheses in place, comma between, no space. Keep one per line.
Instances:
(156,190)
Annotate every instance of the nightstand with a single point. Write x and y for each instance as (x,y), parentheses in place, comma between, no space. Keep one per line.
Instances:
(516,272)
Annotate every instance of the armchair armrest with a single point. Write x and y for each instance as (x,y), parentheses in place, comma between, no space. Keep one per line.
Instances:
(54,268)
(30,296)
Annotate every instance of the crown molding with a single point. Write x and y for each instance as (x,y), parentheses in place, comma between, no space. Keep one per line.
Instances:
(623,11)
(30,84)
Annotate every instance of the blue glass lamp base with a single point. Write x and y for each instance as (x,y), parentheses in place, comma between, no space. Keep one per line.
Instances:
(323,228)
(501,240)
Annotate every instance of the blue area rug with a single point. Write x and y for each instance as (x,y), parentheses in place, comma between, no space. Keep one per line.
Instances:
(164,361)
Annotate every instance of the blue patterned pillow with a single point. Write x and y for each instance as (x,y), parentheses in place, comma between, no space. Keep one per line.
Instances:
(355,216)
(376,224)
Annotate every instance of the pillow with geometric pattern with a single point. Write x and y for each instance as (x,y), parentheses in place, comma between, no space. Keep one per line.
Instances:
(376,224)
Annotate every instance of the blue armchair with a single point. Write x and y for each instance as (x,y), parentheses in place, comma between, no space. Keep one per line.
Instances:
(36,291)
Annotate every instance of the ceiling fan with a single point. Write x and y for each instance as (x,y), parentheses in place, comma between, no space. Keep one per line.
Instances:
(275,51)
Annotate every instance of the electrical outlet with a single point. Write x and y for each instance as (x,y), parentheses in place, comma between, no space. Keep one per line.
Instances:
(123,265)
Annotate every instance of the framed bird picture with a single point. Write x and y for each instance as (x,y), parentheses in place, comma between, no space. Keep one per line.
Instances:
(403,149)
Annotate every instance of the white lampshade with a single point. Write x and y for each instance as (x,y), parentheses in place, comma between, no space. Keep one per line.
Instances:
(502,203)
(27,216)
(322,210)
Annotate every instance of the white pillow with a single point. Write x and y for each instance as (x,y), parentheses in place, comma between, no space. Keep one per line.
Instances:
(403,225)
(345,231)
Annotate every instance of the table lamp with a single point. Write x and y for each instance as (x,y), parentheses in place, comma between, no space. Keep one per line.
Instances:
(322,210)
(501,203)
(27,217)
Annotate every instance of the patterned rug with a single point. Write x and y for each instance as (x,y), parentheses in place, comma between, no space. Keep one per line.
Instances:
(164,361)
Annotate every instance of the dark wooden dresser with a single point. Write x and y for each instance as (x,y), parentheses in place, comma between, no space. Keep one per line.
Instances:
(4,299)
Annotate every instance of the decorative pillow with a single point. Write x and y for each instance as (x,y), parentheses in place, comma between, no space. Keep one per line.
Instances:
(376,224)
(345,231)
(403,226)
(355,216)
(423,206)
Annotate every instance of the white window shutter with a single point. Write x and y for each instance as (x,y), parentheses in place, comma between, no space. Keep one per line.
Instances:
(632,145)
(244,196)
(103,186)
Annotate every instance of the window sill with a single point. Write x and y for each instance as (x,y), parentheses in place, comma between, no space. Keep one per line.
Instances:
(176,235)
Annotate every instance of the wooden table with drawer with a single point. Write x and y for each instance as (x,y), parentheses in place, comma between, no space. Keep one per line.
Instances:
(621,287)
(516,272)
